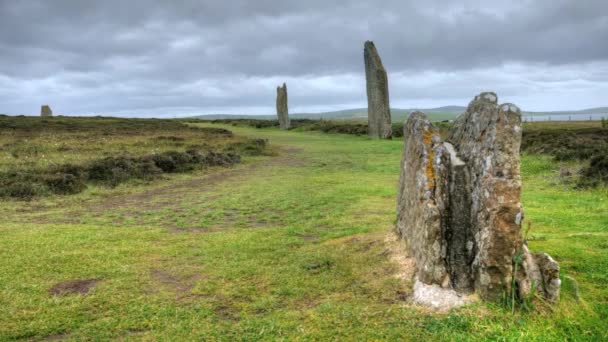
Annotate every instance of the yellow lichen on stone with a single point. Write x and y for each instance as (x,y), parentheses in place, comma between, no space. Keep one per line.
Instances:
(430,169)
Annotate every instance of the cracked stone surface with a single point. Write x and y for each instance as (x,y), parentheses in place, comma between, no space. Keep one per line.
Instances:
(421,200)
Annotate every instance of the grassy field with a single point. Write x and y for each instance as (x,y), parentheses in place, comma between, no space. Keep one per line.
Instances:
(294,246)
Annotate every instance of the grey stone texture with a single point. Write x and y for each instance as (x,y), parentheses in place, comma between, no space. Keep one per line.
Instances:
(421,200)
(540,273)
(282,111)
(459,209)
(378,108)
(45,110)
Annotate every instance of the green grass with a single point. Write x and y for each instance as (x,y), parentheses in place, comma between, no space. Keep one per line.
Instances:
(290,247)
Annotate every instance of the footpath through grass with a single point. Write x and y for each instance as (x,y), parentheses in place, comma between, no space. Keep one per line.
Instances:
(287,247)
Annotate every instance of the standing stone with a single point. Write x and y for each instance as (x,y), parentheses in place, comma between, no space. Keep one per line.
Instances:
(459,209)
(282,111)
(378,108)
(45,110)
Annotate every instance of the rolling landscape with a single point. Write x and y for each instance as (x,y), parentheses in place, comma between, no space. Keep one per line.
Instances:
(128,215)
(290,242)
(400,115)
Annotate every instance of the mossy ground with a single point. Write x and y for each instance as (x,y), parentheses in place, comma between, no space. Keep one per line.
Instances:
(288,247)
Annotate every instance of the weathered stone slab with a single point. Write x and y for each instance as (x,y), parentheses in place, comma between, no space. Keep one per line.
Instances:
(421,198)
(282,109)
(459,209)
(45,110)
(378,108)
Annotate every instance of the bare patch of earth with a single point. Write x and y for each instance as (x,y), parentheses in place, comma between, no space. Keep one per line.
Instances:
(78,286)
(56,337)
(180,285)
(309,237)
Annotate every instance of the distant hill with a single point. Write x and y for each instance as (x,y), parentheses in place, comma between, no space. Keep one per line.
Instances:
(398,114)
(597,110)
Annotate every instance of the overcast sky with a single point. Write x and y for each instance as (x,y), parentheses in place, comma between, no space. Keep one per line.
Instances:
(173,58)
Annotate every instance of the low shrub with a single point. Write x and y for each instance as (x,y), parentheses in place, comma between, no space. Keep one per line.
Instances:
(115,170)
(65,183)
(172,161)
(20,185)
(111,171)
(596,172)
(251,147)
(354,128)
(326,126)
(257,123)
(215,131)
(397,130)
(76,170)
(21,190)
(264,123)
(566,144)
(221,159)
(172,138)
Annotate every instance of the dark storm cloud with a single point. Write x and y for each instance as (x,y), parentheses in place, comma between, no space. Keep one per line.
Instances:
(200,56)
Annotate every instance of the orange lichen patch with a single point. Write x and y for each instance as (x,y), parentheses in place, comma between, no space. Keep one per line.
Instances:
(427,137)
(430,171)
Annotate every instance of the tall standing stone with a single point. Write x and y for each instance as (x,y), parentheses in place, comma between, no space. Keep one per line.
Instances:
(378,108)
(45,110)
(459,205)
(282,111)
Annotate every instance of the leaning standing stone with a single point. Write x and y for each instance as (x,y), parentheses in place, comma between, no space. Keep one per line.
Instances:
(378,109)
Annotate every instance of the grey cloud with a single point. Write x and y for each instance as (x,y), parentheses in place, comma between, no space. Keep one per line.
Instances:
(114,56)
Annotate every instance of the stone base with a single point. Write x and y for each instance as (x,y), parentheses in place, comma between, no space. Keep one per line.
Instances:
(436,297)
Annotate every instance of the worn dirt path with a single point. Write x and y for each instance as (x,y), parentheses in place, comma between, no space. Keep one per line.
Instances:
(174,197)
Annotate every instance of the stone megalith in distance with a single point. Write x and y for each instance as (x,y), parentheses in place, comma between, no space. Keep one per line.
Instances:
(378,108)
(45,110)
(282,110)
(459,206)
